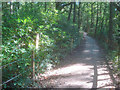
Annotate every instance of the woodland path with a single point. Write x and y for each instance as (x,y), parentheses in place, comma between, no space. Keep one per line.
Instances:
(84,68)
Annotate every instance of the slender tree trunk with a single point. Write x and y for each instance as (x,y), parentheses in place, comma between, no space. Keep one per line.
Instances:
(110,25)
(33,64)
(13,7)
(58,5)
(96,20)
(102,22)
(87,28)
(45,6)
(93,19)
(18,5)
(91,15)
(74,12)
(70,12)
(26,6)
(79,16)
(10,7)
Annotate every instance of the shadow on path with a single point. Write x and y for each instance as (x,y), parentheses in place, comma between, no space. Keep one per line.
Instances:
(84,68)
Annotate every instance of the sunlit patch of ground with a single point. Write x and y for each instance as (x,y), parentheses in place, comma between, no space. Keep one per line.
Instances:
(104,79)
(83,69)
(76,68)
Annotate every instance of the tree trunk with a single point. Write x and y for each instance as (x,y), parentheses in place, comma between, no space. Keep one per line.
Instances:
(100,16)
(96,21)
(87,28)
(33,65)
(74,12)
(10,7)
(45,6)
(102,22)
(91,15)
(58,5)
(13,7)
(110,25)
(79,16)
(70,12)
(18,5)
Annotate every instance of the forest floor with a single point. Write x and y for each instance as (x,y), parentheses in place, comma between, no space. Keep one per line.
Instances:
(84,68)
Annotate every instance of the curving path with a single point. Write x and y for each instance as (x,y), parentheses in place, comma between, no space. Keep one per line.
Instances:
(84,68)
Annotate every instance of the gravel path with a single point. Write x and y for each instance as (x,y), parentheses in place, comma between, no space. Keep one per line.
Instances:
(84,68)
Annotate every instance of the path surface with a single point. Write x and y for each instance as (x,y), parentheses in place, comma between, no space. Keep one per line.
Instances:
(85,68)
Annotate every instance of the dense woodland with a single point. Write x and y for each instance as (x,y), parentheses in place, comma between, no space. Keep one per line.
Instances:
(36,36)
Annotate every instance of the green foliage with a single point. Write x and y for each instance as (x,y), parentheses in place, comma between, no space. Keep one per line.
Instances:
(19,41)
(101,29)
(114,58)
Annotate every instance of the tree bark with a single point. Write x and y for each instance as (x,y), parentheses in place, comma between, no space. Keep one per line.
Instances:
(79,16)
(91,15)
(10,7)
(58,5)
(45,6)
(18,5)
(96,20)
(70,12)
(110,25)
(74,13)
(102,22)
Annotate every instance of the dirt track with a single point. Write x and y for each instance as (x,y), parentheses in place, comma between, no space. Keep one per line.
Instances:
(85,68)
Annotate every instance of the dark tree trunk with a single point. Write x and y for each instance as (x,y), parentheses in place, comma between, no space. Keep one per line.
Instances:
(110,24)
(79,16)
(96,20)
(87,28)
(58,5)
(100,16)
(18,5)
(91,15)
(45,6)
(13,7)
(74,13)
(102,22)
(70,12)
(10,8)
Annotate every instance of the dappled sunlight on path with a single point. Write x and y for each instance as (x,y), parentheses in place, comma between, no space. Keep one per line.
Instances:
(85,68)
(69,69)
